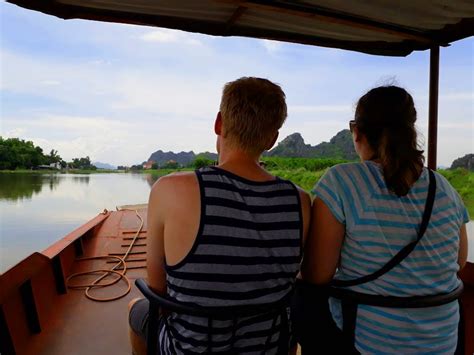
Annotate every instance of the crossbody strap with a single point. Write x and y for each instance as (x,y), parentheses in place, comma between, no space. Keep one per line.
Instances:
(405,251)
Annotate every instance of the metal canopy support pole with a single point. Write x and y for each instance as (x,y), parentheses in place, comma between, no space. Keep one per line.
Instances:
(433,108)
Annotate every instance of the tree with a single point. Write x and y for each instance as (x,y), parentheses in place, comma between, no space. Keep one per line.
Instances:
(171,164)
(202,162)
(154,166)
(82,163)
(17,153)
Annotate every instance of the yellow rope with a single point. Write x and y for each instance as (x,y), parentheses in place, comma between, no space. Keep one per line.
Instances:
(106,272)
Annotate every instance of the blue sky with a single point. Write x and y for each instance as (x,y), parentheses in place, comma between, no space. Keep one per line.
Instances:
(119,92)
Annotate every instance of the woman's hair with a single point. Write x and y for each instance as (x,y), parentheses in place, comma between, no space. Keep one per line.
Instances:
(386,116)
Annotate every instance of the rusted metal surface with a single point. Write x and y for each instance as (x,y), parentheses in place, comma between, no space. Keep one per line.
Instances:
(72,324)
(12,279)
(37,318)
(60,245)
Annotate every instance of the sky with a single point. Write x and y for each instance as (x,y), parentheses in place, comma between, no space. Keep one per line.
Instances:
(119,92)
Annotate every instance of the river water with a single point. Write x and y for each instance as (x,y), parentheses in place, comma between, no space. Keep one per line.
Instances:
(38,209)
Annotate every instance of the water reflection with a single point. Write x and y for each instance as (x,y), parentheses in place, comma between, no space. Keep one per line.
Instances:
(18,186)
(83,179)
(14,187)
(37,209)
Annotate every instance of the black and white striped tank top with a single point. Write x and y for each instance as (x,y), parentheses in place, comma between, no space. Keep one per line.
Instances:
(247,251)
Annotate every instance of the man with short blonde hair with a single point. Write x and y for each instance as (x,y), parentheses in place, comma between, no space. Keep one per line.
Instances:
(252,110)
(226,235)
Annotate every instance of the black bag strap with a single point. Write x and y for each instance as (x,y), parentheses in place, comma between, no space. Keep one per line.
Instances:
(405,251)
(396,301)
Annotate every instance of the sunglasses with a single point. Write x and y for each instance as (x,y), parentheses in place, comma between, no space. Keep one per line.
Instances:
(352,124)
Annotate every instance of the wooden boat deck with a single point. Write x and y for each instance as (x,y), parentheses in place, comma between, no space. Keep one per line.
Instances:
(39,315)
(70,323)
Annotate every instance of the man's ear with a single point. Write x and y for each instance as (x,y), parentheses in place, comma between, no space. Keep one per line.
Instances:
(273,141)
(218,124)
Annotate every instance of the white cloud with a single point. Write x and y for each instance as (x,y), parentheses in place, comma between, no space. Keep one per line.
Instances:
(458,96)
(343,108)
(167,95)
(271,46)
(108,140)
(13,133)
(128,99)
(164,35)
(458,125)
(50,82)
(452,96)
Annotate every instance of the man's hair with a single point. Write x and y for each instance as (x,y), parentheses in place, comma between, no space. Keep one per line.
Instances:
(252,110)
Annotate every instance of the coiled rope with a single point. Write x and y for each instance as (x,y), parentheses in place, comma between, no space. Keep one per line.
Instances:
(106,272)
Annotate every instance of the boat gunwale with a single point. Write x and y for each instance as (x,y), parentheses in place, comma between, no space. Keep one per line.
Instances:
(57,247)
(33,264)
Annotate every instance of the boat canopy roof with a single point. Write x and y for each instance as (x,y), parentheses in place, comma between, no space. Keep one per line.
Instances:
(381,27)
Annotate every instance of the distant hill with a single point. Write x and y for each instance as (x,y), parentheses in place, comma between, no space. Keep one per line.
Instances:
(466,162)
(182,158)
(100,165)
(339,147)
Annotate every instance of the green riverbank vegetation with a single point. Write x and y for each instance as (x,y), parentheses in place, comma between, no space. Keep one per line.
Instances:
(463,181)
(305,172)
(18,155)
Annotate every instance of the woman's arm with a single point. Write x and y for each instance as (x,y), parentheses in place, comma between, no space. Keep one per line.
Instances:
(462,255)
(323,245)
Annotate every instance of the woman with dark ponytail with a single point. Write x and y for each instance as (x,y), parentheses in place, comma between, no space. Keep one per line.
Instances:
(386,117)
(365,213)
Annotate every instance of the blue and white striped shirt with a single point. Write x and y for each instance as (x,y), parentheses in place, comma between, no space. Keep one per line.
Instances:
(378,224)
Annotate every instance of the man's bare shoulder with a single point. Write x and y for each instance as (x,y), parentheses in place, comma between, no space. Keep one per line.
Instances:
(175,183)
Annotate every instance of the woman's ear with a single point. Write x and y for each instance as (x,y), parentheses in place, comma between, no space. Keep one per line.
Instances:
(218,124)
(357,135)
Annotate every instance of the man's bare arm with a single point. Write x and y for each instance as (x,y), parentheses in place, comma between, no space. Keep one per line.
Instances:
(155,237)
